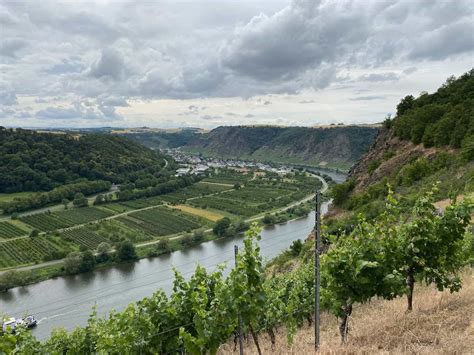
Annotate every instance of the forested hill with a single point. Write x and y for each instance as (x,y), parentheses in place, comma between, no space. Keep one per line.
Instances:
(32,161)
(430,141)
(337,147)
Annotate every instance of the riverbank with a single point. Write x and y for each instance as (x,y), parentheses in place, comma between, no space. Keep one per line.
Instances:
(40,272)
(67,301)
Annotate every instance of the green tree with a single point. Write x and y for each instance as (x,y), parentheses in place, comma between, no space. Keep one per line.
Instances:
(432,246)
(65,202)
(80,200)
(87,262)
(221,226)
(269,219)
(72,263)
(103,252)
(34,233)
(126,251)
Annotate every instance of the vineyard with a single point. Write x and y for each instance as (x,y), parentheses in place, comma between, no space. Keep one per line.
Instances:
(374,260)
(84,237)
(31,250)
(161,221)
(45,221)
(8,230)
(50,221)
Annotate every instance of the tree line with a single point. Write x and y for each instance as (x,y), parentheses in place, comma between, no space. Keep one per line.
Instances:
(444,118)
(32,161)
(384,258)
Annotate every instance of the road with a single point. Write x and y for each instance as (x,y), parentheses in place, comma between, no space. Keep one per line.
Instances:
(139,245)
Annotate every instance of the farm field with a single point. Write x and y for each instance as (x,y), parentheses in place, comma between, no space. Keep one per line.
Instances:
(212,216)
(84,237)
(9,230)
(10,197)
(50,221)
(161,221)
(32,250)
(196,206)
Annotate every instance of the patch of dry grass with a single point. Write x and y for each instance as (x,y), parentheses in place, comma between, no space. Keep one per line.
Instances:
(212,216)
(441,323)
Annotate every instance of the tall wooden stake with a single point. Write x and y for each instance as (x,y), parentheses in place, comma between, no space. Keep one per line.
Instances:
(317,274)
(241,340)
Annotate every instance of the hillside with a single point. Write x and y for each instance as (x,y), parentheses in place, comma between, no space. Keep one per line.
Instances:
(414,162)
(335,147)
(442,323)
(32,161)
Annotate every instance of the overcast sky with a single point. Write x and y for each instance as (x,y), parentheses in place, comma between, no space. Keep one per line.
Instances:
(209,63)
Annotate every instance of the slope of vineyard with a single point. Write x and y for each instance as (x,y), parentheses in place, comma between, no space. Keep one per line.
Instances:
(442,323)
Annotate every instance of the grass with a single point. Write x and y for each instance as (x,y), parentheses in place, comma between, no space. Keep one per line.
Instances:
(9,197)
(212,216)
(440,323)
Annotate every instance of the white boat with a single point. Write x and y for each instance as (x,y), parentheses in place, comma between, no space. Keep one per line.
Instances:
(11,324)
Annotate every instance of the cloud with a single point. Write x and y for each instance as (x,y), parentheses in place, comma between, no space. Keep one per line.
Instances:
(307,102)
(210,117)
(10,46)
(376,77)
(445,41)
(368,98)
(109,65)
(79,111)
(114,54)
(8,98)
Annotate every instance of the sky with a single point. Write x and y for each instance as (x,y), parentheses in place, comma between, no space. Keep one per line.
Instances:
(206,63)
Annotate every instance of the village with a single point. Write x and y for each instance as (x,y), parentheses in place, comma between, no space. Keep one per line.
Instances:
(197,165)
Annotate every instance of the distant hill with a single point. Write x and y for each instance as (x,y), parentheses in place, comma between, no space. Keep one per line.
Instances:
(337,147)
(33,161)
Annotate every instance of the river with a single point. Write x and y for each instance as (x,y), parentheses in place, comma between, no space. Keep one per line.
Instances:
(67,301)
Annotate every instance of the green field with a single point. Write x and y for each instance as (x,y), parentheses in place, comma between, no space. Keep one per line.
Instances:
(83,237)
(50,221)
(161,221)
(10,197)
(145,219)
(32,250)
(8,230)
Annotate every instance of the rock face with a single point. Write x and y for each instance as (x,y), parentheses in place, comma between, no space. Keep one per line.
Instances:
(387,155)
(334,147)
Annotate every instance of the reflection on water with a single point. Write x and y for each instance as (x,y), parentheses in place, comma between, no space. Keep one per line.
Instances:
(67,301)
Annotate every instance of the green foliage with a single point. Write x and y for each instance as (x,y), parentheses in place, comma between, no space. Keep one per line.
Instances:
(103,252)
(80,200)
(443,118)
(340,192)
(373,165)
(221,226)
(31,161)
(126,251)
(34,233)
(269,219)
(296,247)
(72,263)
(202,313)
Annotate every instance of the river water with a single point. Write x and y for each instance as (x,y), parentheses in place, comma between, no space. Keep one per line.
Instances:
(67,301)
